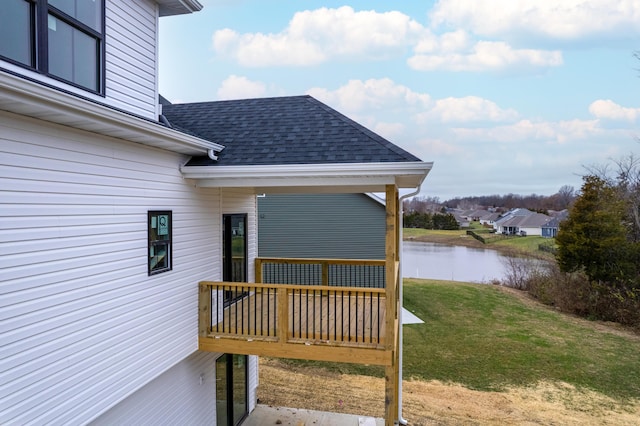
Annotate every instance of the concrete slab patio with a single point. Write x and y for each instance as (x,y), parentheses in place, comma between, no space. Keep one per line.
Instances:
(266,415)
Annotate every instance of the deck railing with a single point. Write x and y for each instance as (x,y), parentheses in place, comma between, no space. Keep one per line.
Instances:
(286,313)
(326,272)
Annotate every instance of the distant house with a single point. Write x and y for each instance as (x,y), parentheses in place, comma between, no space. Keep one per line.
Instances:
(463,221)
(489,219)
(521,222)
(550,229)
(476,215)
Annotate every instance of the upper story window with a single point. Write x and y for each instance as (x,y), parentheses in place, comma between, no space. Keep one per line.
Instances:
(63,39)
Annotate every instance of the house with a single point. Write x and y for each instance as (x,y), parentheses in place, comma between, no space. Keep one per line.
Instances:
(521,222)
(128,230)
(462,220)
(490,219)
(551,228)
(476,215)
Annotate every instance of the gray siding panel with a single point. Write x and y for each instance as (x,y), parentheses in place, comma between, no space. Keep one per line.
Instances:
(347,226)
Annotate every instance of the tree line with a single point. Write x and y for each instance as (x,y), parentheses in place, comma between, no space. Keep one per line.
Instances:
(559,201)
(426,220)
(540,203)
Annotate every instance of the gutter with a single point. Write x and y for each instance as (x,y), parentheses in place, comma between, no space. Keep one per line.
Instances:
(402,420)
(27,96)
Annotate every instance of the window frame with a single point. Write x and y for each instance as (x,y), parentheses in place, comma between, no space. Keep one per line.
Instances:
(39,39)
(153,243)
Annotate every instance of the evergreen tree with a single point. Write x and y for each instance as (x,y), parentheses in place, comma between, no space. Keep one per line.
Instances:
(594,236)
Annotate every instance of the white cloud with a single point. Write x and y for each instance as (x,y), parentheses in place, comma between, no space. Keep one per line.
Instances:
(238,87)
(467,109)
(431,148)
(387,99)
(372,94)
(559,19)
(485,56)
(315,36)
(559,132)
(608,109)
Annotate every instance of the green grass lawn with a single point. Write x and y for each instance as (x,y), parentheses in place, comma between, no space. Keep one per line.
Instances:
(487,339)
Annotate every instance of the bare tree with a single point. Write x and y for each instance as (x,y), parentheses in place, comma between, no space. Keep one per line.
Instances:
(566,195)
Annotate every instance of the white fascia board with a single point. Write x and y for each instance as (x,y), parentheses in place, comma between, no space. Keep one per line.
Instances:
(360,177)
(25,97)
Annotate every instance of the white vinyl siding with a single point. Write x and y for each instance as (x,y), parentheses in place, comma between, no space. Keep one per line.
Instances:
(83,326)
(253,381)
(131,58)
(243,201)
(183,395)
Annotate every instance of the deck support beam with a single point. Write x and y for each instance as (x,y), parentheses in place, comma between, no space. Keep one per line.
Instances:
(298,350)
(392,258)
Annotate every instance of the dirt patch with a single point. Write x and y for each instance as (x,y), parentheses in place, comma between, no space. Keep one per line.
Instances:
(436,403)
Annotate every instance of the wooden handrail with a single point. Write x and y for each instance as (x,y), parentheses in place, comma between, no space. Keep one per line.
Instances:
(299,260)
(294,287)
(321,271)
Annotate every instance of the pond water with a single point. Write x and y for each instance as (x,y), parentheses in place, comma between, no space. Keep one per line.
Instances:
(457,263)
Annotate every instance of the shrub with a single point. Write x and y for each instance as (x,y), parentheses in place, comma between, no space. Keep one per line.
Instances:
(574,293)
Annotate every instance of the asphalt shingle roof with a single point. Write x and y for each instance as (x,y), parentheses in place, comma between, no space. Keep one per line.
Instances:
(283,130)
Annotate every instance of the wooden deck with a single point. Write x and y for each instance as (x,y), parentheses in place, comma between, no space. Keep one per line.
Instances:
(295,321)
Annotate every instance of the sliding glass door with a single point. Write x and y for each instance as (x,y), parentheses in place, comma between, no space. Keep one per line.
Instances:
(231,389)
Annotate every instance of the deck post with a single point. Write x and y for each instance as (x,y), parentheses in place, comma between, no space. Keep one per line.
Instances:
(258,270)
(282,300)
(325,272)
(391,292)
(204,310)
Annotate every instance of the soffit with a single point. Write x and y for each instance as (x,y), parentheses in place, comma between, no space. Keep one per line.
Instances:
(312,178)
(25,97)
(178,7)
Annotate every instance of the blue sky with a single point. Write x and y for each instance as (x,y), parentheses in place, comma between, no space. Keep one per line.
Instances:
(503,96)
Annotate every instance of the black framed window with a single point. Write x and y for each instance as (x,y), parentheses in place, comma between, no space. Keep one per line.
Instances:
(160,232)
(63,39)
(17,32)
(234,254)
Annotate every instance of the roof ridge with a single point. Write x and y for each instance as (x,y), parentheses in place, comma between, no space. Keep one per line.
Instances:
(174,104)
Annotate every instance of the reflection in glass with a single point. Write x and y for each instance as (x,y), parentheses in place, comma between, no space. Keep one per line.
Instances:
(231,389)
(16,42)
(72,54)
(86,11)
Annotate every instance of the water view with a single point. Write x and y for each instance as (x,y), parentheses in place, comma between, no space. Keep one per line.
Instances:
(443,262)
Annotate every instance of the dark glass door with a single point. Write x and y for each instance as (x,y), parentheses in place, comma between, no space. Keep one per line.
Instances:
(231,389)
(234,253)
